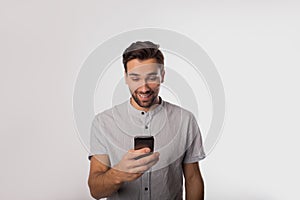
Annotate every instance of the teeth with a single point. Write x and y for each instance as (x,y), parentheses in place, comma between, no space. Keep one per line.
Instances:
(144,96)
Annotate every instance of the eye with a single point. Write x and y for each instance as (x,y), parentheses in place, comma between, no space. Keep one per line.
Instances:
(153,78)
(135,79)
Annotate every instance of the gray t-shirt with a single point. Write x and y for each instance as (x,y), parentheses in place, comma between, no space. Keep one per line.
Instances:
(176,137)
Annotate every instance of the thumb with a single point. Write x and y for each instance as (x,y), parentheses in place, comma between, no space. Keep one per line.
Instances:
(143,150)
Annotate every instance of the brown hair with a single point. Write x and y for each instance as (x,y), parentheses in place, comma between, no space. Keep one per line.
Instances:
(142,51)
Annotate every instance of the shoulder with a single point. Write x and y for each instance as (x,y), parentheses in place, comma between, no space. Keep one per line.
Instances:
(173,109)
(109,113)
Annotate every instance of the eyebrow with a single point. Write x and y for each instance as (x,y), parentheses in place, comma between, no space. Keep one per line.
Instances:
(134,74)
(152,73)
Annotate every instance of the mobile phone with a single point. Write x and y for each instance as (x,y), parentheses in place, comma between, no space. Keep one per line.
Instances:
(144,141)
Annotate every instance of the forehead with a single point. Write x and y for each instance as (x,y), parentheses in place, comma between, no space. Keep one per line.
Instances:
(143,66)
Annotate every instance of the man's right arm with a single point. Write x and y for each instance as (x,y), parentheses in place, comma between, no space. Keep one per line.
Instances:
(104,181)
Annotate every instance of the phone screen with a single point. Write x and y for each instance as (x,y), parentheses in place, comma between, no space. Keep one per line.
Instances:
(144,141)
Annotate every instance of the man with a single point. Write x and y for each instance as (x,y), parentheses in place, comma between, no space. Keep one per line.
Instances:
(115,170)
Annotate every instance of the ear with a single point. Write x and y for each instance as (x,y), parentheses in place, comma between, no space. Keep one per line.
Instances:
(162,75)
(125,78)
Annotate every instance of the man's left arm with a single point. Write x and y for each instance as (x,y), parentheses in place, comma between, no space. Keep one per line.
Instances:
(194,184)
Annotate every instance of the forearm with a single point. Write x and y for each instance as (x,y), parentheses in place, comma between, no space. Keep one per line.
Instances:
(194,188)
(104,184)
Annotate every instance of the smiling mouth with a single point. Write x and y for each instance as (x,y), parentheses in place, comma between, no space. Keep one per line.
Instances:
(145,96)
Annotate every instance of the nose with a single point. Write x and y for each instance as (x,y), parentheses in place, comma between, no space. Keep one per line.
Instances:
(144,88)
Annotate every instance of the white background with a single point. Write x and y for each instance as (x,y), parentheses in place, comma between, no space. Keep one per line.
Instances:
(254,45)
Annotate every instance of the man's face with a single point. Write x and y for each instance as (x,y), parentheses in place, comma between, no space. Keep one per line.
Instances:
(143,78)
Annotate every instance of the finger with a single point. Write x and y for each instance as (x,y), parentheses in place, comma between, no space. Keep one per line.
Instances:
(144,168)
(146,160)
(132,154)
(143,150)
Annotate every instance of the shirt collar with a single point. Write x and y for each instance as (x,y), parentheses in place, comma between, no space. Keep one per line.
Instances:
(138,113)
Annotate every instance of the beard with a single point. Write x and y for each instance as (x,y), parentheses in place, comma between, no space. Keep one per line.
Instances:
(144,104)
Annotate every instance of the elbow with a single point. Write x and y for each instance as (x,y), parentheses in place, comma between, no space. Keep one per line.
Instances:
(95,195)
(93,191)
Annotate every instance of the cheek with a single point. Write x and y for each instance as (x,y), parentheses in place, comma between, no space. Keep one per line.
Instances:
(133,87)
(154,87)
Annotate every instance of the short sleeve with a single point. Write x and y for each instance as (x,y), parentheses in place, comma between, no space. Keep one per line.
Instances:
(195,151)
(97,140)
